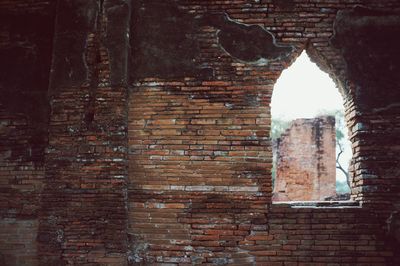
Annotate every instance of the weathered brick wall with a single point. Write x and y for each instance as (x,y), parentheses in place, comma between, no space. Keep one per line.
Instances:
(309,235)
(21,180)
(189,166)
(372,110)
(185,141)
(195,186)
(305,163)
(83,215)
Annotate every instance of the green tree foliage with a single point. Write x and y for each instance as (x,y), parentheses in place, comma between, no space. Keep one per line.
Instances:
(278,126)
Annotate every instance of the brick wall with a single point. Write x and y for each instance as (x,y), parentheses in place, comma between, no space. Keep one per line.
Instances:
(20,184)
(158,137)
(305,164)
(83,217)
(193,140)
(310,235)
(191,161)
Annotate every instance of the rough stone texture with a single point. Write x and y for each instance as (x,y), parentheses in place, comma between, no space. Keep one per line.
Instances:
(154,147)
(305,164)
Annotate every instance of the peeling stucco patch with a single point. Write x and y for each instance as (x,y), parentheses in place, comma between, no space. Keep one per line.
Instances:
(249,43)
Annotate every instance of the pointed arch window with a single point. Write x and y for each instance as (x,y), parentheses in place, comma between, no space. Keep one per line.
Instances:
(311,150)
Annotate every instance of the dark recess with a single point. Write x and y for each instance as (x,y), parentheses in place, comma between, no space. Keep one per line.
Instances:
(369,41)
(73,25)
(284,4)
(162,41)
(24,74)
(116,39)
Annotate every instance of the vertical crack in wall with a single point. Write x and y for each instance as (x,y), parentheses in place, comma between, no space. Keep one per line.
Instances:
(317,139)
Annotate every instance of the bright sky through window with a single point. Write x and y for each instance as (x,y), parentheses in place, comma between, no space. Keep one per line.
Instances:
(303,90)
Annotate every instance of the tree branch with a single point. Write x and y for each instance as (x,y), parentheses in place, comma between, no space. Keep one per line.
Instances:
(339,166)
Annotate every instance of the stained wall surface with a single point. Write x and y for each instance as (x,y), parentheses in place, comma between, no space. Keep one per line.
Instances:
(145,140)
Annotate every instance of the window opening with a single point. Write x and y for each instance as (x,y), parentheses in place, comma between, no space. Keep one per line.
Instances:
(311,150)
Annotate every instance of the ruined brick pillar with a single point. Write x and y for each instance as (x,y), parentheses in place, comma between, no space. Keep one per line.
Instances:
(83,215)
(305,167)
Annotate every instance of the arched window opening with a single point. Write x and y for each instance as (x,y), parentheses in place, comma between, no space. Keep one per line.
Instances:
(311,150)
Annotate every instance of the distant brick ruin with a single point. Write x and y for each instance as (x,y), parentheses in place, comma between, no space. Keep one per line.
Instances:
(305,161)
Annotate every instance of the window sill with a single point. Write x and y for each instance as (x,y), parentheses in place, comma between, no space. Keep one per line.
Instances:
(318,204)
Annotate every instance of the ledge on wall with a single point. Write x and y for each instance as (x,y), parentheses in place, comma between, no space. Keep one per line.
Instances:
(318,204)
